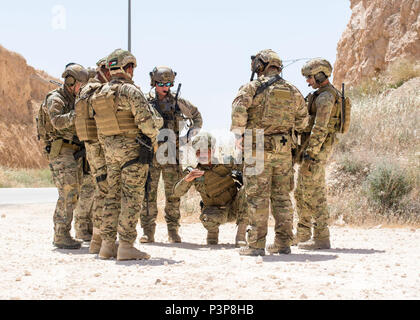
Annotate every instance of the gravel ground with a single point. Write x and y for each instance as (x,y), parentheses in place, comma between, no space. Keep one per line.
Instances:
(375,263)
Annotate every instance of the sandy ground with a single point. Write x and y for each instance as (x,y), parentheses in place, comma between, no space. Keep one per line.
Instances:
(374,263)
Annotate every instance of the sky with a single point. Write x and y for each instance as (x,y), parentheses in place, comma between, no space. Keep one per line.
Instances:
(208,43)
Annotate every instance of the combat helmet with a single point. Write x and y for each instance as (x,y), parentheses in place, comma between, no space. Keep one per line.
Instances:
(203,141)
(162,74)
(75,72)
(118,59)
(320,68)
(265,59)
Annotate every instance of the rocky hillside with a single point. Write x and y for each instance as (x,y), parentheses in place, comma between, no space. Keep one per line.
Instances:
(378,33)
(22,88)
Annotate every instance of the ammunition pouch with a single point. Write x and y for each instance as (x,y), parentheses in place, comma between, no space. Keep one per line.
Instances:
(55,149)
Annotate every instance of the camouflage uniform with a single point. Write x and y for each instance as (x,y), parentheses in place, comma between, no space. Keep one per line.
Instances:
(93,197)
(311,190)
(126,186)
(221,200)
(278,109)
(171,173)
(66,171)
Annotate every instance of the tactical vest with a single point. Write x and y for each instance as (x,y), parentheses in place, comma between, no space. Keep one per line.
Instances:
(85,122)
(44,127)
(334,123)
(109,121)
(272,110)
(219,185)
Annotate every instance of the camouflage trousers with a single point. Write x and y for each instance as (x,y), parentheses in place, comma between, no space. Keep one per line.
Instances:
(311,194)
(126,188)
(213,216)
(97,164)
(84,207)
(171,174)
(67,176)
(273,184)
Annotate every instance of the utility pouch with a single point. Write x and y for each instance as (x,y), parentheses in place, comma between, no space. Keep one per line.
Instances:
(56,146)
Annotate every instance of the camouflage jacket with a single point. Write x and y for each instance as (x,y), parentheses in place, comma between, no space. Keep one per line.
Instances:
(278,109)
(216,186)
(60,108)
(131,98)
(322,108)
(172,117)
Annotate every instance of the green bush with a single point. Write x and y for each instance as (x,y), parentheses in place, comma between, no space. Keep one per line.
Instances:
(350,163)
(387,184)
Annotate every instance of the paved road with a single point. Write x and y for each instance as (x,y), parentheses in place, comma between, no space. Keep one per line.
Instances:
(27,195)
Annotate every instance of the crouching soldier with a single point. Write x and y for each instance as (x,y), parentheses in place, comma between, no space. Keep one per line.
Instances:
(222,198)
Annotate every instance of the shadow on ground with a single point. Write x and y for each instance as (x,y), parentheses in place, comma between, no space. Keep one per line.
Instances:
(191,246)
(299,257)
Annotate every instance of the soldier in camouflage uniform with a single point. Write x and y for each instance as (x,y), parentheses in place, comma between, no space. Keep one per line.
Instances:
(223,199)
(87,132)
(175,114)
(129,126)
(63,144)
(277,109)
(319,138)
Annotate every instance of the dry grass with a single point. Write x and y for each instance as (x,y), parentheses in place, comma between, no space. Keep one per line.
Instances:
(25,178)
(375,171)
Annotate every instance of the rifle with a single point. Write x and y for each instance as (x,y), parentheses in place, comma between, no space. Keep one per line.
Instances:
(265,85)
(343,107)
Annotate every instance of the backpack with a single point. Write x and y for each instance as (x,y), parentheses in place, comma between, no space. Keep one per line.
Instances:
(45,130)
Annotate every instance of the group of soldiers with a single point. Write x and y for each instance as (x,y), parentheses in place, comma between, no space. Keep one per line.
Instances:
(104,139)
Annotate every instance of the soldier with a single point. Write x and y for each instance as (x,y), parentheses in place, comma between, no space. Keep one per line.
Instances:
(86,130)
(58,109)
(129,126)
(319,139)
(219,185)
(175,112)
(274,105)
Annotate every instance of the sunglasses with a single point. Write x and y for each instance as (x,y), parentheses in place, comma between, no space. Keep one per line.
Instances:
(167,84)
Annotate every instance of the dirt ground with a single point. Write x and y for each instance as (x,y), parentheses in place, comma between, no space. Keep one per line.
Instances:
(375,263)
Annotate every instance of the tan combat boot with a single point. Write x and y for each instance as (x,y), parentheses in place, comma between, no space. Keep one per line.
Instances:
(95,243)
(240,239)
(84,235)
(316,244)
(173,236)
(126,251)
(249,251)
(148,235)
(65,241)
(108,250)
(276,247)
(213,237)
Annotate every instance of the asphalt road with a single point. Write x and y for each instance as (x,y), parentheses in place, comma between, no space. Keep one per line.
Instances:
(27,195)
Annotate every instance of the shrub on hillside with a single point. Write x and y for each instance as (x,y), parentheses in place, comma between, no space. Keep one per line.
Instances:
(387,184)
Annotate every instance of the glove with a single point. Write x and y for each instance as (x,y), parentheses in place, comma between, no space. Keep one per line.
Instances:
(308,156)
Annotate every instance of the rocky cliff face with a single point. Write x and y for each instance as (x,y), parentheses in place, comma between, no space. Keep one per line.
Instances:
(379,32)
(22,88)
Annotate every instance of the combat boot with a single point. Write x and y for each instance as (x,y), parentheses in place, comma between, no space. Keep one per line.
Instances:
(84,235)
(213,237)
(148,235)
(240,239)
(300,237)
(126,251)
(95,243)
(277,248)
(65,241)
(173,236)
(316,244)
(108,250)
(249,251)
